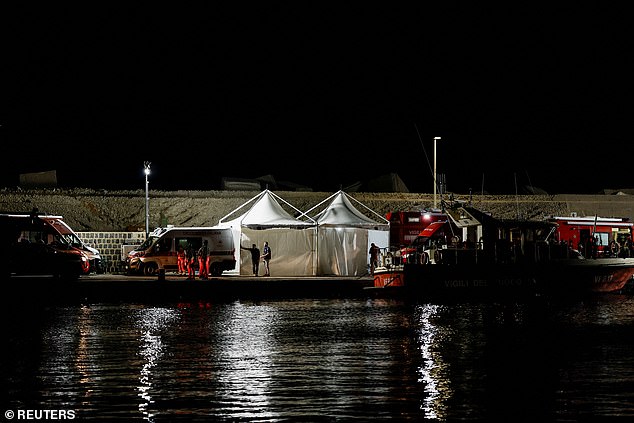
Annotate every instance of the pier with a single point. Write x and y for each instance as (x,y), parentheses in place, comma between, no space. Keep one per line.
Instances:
(111,288)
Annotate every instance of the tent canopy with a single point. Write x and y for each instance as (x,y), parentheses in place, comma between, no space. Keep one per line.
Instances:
(266,212)
(264,219)
(341,212)
(344,235)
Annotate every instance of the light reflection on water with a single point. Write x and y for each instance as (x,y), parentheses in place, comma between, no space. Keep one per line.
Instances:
(246,342)
(152,323)
(433,370)
(325,360)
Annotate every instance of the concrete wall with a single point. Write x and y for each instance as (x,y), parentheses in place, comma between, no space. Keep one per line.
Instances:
(124,211)
(110,246)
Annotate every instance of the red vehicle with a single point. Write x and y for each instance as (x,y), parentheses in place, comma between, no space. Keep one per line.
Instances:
(405,226)
(594,235)
(413,232)
(31,245)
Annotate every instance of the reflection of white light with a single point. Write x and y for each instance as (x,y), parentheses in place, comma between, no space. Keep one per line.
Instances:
(151,350)
(83,360)
(248,346)
(433,372)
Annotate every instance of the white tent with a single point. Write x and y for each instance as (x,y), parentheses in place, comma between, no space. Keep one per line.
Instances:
(344,236)
(292,241)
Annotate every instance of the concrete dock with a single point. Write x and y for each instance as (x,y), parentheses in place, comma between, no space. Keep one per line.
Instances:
(173,288)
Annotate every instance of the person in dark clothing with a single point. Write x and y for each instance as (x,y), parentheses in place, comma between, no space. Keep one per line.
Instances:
(374,257)
(627,248)
(190,259)
(255,258)
(266,257)
(203,261)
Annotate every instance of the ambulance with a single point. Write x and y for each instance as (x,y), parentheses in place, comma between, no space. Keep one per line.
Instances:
(160,249)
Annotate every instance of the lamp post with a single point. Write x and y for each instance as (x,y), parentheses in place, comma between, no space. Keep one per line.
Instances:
(435,174)
(146,170)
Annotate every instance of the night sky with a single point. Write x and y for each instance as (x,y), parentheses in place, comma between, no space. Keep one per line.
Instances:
(322,96)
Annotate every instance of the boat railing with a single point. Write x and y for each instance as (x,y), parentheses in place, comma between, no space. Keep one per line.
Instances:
(390,259)
(499,253)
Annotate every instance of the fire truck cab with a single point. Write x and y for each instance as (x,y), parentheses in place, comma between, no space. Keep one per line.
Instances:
(594,235)
(406,226)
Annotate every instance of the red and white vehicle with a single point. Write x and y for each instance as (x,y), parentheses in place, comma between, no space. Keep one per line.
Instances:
(416,235)
(405,226)
(609,236)
(32,244)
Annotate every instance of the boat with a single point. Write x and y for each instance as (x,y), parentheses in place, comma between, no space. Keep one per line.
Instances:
(472,253)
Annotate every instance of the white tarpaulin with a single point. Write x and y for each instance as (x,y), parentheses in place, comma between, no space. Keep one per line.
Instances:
(292,241)
(344,235)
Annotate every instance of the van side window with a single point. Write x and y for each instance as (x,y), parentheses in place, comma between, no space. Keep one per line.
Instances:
(164,244)
(195,241)
(181,242)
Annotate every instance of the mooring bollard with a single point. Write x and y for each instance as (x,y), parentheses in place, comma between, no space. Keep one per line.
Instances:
(161,274)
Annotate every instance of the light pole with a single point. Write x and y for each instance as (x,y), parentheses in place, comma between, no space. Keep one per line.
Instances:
(435,174)
(146,170)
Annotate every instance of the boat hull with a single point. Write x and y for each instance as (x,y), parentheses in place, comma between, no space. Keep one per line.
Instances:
(573,276)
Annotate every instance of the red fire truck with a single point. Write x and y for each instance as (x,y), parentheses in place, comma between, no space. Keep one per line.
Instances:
(405,226)
(606,236)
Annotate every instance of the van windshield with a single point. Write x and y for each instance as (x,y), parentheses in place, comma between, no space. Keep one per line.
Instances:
(147,243)
(73,240)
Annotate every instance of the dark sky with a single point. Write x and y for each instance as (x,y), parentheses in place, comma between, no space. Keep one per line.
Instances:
(322,96)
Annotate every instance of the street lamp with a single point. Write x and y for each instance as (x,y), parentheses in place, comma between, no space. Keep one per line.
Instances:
(435,182)
(146,170)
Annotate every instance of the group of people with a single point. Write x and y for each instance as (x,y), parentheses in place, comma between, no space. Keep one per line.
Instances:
(266,257)
(186,259)
(256,257)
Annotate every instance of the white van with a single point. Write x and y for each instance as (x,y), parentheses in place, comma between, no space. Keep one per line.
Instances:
(160,250)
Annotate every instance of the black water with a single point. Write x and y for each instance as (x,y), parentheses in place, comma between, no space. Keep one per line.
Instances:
(324,360)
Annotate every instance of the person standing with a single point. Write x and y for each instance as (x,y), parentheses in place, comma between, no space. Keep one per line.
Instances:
(374,257)
(255,258)
(203,262)
(266,257)
(190,258)
(181,261)
(627,248)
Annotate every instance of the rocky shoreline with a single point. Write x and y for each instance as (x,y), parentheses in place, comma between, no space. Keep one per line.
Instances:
(103,210)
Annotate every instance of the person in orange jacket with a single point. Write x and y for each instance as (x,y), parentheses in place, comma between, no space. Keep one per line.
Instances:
(181,261)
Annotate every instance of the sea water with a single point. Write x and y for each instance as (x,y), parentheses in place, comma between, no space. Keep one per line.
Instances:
(322,360)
